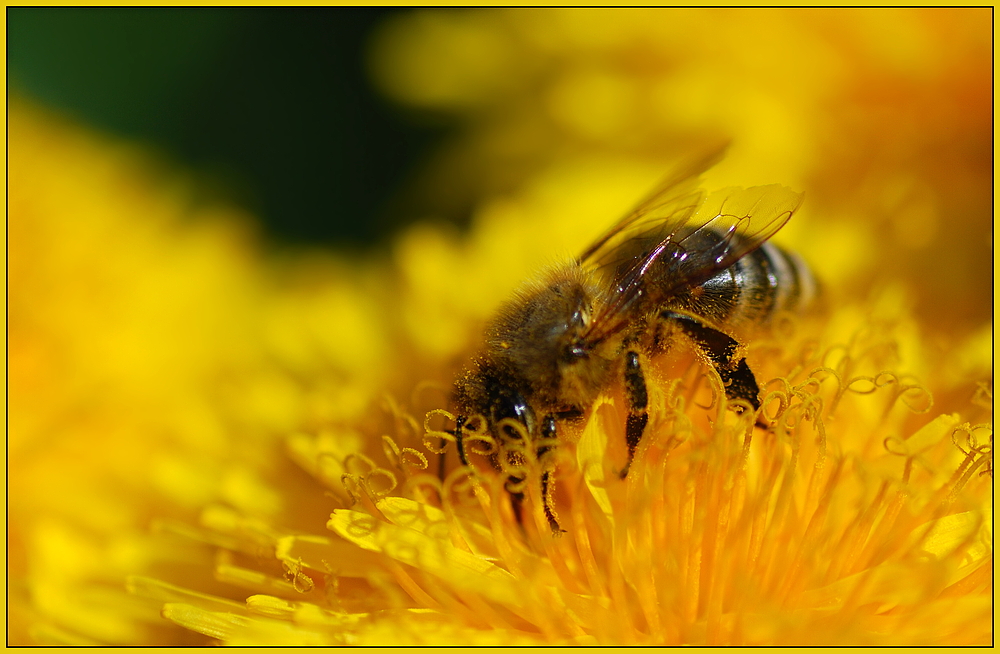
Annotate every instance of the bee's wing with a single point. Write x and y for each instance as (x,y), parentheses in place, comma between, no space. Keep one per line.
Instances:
(684,252)
(657,216)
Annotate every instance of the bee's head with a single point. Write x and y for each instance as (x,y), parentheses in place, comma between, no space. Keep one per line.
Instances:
(538,336)
(490,389)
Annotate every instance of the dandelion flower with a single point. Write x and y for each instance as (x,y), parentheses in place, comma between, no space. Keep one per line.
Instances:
(212,445)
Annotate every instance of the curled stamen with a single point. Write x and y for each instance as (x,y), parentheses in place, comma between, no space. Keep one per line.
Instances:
(746,416)
(812,406)
(816,378)
(359,458)
(412,457)
(391,450)
(909,393)
(961,429)
(443,437)
(402,457)
(719,400)
(793,417)
(352,484)
(972,441)
(516,484)
(517,440)
(742,407)
(301,582)
(903,392)
(461,484)
(786,386)
(862,385)
(482,444)
(674,395)
(406,425)
(390,482)
(782,398)
(549,448)
(477,423)
(479,440)
(447,415)
(514,461)
(988,470)
(412,487)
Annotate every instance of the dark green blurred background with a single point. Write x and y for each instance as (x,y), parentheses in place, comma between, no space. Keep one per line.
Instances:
(270,107)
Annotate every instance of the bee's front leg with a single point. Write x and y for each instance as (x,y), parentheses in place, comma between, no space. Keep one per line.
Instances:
(515,480)
(637,400)
(547,444)
(737,378)
(459,433)
(459,444)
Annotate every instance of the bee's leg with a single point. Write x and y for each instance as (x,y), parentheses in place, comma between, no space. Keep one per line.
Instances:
(516,480)
(516,497)
(737,378)
(571,414)
(548,440)
(459,432)
(637,399)
(506,458)
(459,444)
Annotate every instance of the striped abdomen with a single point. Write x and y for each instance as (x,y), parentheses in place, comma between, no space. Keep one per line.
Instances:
(754,289)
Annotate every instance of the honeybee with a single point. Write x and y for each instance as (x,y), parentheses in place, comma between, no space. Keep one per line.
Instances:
(678,261)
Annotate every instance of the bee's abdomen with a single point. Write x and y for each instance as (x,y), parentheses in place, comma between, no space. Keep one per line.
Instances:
(794,286)
(767,281)
(761,284)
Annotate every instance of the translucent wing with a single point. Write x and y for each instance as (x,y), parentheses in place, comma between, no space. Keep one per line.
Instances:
(676,240)
(666,209)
